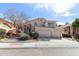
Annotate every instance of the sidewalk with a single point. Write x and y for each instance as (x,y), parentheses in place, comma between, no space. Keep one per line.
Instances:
(37,44)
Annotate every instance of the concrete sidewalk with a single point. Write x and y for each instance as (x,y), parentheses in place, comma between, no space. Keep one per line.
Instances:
(51,43)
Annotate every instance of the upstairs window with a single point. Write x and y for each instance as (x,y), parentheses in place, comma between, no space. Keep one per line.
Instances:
(35,24)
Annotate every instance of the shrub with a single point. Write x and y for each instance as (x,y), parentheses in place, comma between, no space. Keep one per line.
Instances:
(34,35)
(2,37)
(30,34)
(23,38)
(66,35)
(2,32)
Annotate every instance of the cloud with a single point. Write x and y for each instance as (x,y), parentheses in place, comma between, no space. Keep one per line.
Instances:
(62,9)
(66,14)
(40,6)
(60,23)
(1,15)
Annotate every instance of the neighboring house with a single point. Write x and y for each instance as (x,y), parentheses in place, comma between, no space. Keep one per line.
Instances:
(67,30)
(42,22)
(6,25)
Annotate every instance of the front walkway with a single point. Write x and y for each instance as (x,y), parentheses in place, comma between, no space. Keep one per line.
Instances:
(34,43)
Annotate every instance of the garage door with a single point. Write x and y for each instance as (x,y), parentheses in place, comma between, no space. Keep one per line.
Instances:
(46,34)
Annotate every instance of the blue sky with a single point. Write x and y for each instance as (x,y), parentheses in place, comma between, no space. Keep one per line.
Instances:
(61,12)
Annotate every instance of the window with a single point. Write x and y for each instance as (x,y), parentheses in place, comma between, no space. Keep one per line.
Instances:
(35,24)
(43,24)
(50,25)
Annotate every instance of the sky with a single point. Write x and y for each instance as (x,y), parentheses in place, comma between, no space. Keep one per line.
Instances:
(60,12)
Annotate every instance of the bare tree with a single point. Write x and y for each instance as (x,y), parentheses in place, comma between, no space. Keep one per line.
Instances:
(22,19)
(18,18)
(10,14)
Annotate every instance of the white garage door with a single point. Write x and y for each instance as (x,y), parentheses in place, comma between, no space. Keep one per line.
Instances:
(44,33)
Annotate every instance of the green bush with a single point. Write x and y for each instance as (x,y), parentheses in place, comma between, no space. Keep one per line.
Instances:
(34,35)
(30,34)
(24,38)
(2,37)
(2,31)
(66,35)
(2,34)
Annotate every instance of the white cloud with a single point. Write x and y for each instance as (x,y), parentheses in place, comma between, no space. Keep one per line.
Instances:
(58,8)
(41,6)
(66,14)
(62,7)
(1,15)
(60,23)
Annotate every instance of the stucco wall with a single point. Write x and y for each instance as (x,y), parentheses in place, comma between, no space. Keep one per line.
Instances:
(49,32)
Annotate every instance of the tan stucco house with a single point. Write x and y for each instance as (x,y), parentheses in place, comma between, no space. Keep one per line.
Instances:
(68,30)
(42,22)
(46,28)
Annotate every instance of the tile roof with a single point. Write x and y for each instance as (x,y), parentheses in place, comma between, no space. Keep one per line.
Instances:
(42,20)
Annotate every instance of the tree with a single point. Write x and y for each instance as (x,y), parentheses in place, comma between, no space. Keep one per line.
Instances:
(18,18)
(10,14)
(75,25)
(22,18)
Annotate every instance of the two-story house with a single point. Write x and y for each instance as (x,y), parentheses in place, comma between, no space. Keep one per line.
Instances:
(46,28)
(42,22)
